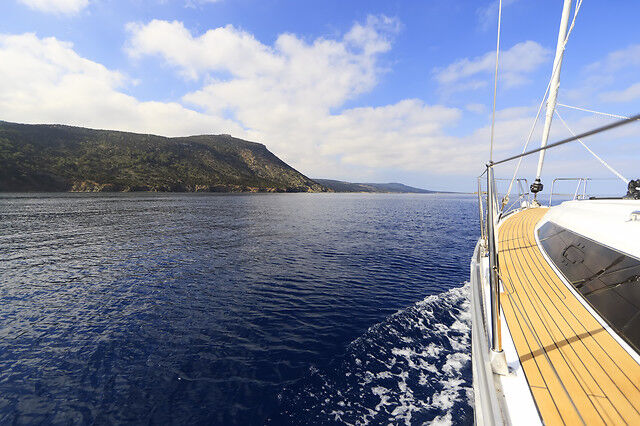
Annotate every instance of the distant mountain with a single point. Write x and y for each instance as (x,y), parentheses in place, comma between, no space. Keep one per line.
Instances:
(340,186)
(63,158)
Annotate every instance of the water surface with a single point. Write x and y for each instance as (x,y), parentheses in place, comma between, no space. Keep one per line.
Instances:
(225,309)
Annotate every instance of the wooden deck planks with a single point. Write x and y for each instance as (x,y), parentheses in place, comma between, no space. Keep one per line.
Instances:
(577,371)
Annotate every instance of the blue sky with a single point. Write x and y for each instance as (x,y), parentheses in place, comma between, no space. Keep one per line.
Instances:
(361,90)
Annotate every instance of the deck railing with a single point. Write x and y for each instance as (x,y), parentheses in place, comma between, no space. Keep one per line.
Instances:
(490,234)
(523,196)
(580,193)
(577,194)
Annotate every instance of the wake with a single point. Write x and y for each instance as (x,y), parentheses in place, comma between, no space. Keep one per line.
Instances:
(412,368)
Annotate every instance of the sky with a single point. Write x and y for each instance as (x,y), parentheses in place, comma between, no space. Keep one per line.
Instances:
(363,91)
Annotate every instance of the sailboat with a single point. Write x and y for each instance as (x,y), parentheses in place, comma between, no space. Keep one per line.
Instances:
(555,293)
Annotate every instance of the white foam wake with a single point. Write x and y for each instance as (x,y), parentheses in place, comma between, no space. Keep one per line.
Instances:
(412,368)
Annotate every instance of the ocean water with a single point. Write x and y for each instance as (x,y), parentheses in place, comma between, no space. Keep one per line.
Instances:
(235,309)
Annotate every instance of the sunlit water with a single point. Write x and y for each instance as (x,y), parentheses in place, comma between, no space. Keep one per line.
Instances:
(235,309)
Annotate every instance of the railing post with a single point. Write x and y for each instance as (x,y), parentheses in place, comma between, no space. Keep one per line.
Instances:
(483,233)
(498,360)
(584,191)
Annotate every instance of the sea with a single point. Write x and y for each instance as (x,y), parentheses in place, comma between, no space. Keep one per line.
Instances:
(243,309)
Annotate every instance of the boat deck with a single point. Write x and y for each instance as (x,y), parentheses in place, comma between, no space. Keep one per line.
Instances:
(577,372)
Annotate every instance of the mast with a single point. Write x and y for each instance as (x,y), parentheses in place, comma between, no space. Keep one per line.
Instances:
(536,186)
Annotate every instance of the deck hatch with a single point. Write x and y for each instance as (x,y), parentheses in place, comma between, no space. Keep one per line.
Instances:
(608,280)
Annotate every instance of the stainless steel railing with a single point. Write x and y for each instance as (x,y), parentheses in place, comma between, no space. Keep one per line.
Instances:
(580,192)
(577,195)
(492,205)
(487,226)
(523,195)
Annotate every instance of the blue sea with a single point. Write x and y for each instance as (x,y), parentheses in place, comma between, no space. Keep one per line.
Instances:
(235,309)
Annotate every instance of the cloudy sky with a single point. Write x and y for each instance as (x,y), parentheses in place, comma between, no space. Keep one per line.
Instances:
(390,90)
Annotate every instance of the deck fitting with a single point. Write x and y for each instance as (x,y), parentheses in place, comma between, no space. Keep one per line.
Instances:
(499,363)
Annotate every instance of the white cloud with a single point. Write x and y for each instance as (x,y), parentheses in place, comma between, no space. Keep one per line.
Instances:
(617,60)
(516,112)
(57,6)
(216,50)
(612,79)
(286,95)
(408,135)
(45,81)
(476,108)
(629,94)
(515,64)
(336,70)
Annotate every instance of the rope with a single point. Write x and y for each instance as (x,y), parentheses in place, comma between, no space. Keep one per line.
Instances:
(495,81)
(604,163)
(592,111)
(555,69)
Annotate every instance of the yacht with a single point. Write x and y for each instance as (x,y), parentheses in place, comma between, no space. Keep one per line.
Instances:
(555,292)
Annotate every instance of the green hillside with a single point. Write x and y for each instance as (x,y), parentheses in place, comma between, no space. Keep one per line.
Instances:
(63,158)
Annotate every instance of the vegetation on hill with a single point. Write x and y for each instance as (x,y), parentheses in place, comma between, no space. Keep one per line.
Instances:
(340,186)
(63,158)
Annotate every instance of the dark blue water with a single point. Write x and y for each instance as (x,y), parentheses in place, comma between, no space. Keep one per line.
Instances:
(234,309)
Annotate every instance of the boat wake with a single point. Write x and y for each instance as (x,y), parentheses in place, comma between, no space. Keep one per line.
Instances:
(412,368)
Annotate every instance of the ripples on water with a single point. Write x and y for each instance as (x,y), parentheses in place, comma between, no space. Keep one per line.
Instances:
(173,308)
(411,368)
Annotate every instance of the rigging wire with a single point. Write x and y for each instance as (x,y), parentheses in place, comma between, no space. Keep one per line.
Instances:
(564,46)
(604,163)
(573,138)
(495,82)
(592,111)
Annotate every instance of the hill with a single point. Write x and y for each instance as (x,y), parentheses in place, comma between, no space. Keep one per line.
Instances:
(340,186)
(64,158)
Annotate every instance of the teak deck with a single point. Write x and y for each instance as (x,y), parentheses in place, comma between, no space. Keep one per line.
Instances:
(576,370)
